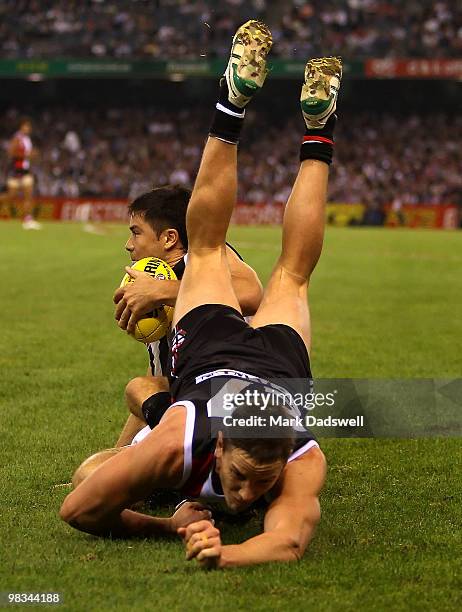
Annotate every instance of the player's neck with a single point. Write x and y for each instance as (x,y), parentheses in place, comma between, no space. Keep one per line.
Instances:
(175,256)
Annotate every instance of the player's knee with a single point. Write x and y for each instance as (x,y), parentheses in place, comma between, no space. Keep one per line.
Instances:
(131,391)
(136,391)
(140,388)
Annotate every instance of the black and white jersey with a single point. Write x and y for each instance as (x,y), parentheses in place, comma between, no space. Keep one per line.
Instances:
(158,350)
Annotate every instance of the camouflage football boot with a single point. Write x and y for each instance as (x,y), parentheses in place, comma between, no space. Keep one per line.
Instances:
(246,71)
(320,90)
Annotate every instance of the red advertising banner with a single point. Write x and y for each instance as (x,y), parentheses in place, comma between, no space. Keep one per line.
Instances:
(258,214)
(71,209)
(271,214)
(414,69)
(85,210)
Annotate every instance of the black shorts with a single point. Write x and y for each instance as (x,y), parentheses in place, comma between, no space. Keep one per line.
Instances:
(18,173)
(213,337)
(155,407)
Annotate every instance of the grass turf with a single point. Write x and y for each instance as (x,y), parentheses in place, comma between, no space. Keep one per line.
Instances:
(384,304)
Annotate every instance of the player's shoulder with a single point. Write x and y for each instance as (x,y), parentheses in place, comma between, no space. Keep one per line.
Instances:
(305,475)
(171,431)
(183,261)
(230,246)
(313,457)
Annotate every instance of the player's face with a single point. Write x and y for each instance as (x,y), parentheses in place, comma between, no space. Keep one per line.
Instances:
(26,128)
(244,480)
(144,241)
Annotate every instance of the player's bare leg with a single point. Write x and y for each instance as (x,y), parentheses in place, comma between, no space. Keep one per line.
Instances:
(137,391)
(11,196)
(132,426)
(285,298)
(28,193)
(207,278)
(28,203)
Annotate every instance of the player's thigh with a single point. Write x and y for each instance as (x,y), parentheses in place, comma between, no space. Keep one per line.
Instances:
(206,280)
(285,301)
(28,185)
(13,187)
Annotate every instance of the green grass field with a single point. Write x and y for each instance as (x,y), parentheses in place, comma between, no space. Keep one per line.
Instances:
(384,304)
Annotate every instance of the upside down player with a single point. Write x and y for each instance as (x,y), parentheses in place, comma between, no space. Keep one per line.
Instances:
(177,452)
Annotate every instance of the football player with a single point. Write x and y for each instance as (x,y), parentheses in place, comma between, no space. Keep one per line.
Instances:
(20,180)
(158,229)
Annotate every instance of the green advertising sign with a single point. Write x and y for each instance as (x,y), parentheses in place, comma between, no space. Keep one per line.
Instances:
(173,69)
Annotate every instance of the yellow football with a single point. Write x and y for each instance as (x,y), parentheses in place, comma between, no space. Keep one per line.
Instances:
(154,326)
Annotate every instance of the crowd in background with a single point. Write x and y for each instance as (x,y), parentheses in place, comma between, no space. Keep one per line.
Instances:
(161,29)
(122,153)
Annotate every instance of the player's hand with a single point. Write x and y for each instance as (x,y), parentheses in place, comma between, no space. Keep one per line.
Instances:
(189,512)
(137,299)
(203,543)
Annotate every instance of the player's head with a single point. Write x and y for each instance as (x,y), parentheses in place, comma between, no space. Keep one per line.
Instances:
(158,223)
(251,453)
(25,125)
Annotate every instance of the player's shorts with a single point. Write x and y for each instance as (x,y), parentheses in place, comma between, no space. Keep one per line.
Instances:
(155,407)
(141,435)
(19,179)
(215,337)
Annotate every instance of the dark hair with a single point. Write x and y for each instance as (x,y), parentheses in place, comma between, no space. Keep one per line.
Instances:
(266,441)
(164,207)
(23,120)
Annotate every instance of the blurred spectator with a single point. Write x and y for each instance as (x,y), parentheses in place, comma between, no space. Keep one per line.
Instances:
(159,29)
(122,153)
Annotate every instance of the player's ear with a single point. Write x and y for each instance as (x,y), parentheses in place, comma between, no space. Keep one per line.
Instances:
(171,238)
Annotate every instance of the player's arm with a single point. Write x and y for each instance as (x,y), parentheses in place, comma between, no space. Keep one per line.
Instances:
(246,284)
(142,296)
(289,525)
(15,148)
(146,293)
(99,504)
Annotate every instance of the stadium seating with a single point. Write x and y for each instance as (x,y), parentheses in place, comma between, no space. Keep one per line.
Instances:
(180,29)
(120,153)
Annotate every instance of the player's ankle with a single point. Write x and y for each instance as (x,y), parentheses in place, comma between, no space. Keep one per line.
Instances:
(319,143)
(228,119)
